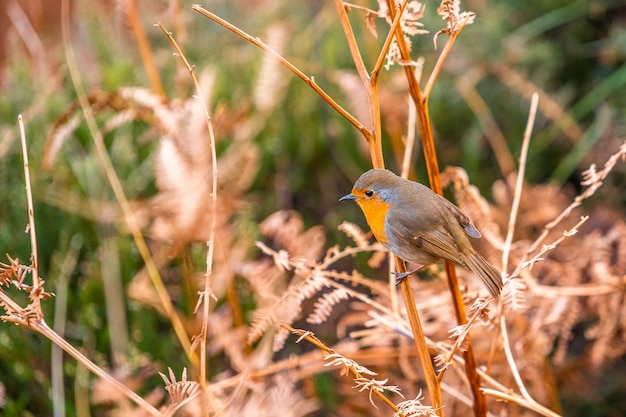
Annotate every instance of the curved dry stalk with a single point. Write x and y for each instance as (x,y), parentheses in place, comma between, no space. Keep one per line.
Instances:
(205,295)
(118,190)
(511,360)
(519,182)
(309,81)
(35,292)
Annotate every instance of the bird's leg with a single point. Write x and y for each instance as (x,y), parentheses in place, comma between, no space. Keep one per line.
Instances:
(401,276)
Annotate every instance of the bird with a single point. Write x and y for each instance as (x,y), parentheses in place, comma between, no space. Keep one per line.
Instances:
(419,226)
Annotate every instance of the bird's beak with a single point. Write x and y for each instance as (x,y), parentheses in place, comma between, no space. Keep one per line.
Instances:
(347,197)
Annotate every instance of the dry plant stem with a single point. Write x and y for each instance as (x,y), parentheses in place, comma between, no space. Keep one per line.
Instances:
(516,399)
(118,190)
(588,192)
(430,155)
(370,83)
(509,239)
(206,293)
(442,58)
(309,81)
(41,327)
(34,293)
(144,47)
(519,181)
(419,339)
(315,341)
(31,318)
(385,49)
(503,392)
(507,246)
(375,140)
(511,360)
(352,44)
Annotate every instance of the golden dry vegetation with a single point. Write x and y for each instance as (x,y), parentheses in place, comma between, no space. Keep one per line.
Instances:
(186,253)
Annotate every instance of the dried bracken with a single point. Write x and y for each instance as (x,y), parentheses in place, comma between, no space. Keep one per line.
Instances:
(415,408)
(450,12)
(181,390)
(411,25)
(562,309)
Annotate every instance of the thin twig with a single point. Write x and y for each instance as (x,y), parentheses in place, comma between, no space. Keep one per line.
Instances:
(206,293)
(519,181)
(511,360)
(385,49)
(309,81)
(419,338)
(442,57)
(371,89)
(352,44)
(34,293)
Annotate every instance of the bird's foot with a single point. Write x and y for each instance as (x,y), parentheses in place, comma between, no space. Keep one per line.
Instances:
(401,276)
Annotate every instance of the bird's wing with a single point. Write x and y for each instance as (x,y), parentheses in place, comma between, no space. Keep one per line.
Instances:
(436,241)
(463,220)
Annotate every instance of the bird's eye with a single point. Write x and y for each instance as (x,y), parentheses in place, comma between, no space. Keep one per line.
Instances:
(369,193)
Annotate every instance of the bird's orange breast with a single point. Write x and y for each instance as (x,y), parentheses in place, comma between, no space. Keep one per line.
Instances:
(375,211)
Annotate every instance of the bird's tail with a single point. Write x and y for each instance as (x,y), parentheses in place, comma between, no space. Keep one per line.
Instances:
(486,272)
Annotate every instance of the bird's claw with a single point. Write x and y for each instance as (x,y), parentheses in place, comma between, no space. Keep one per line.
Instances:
(401,276)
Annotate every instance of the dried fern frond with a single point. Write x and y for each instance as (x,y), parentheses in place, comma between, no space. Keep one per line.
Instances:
(179,391)
(415,408)
(323,307)
(13,272)
(355,233)
(450,12)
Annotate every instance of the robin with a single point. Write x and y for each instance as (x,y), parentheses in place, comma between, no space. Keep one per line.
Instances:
(418,225)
